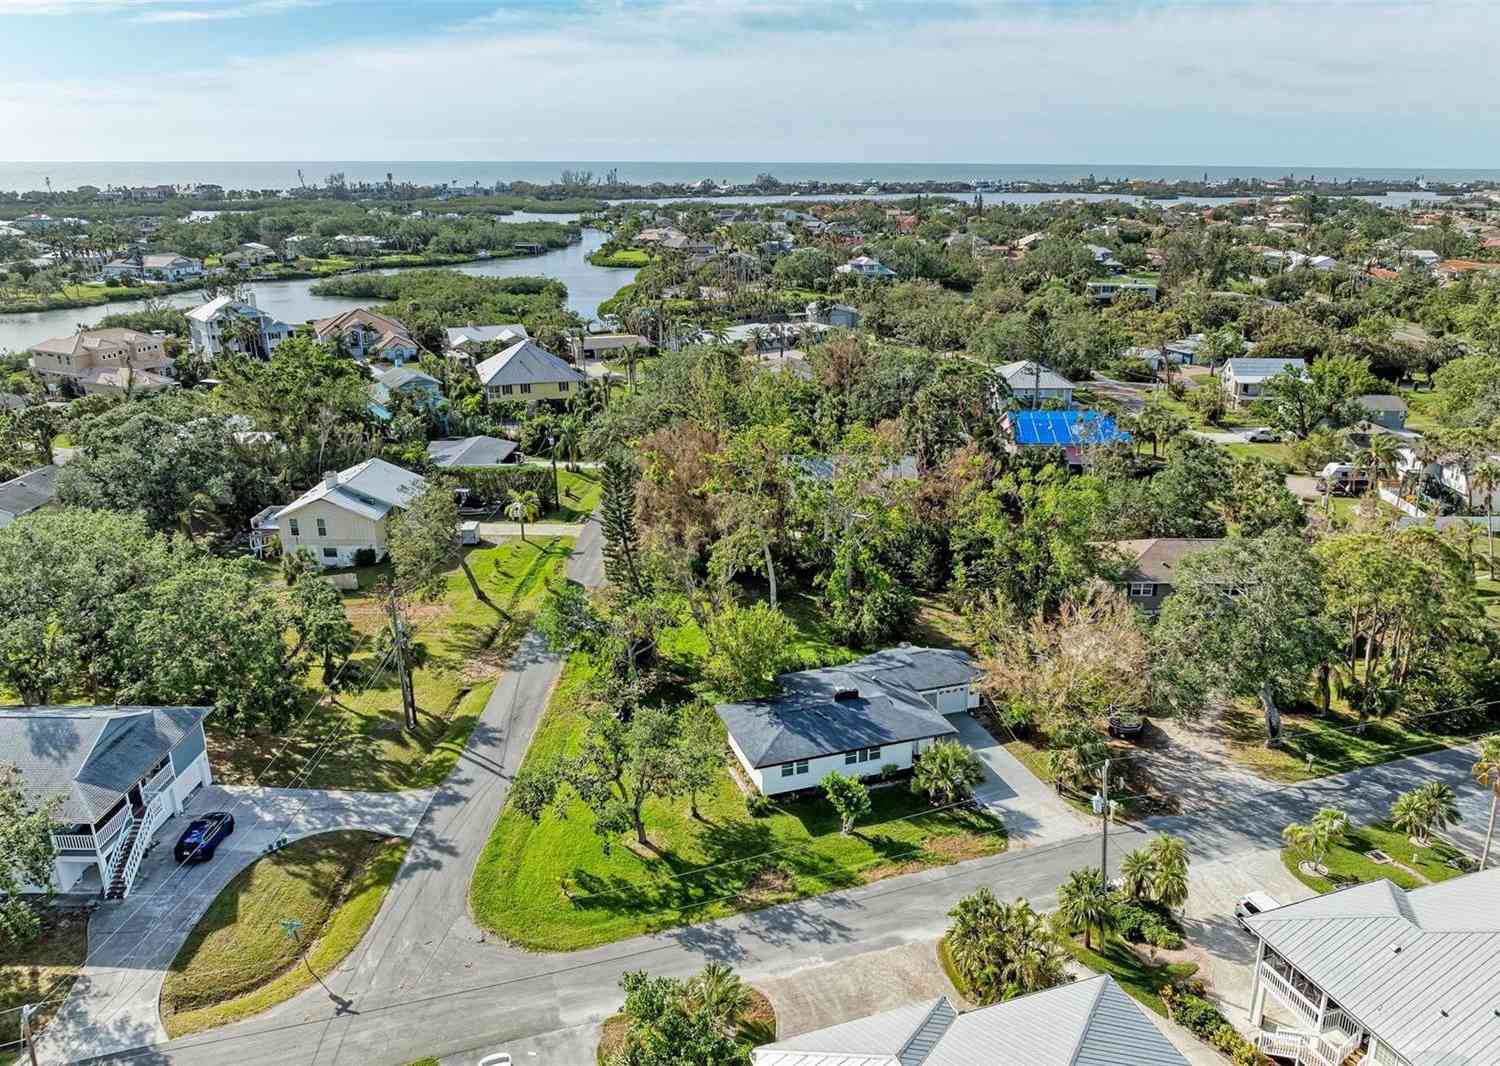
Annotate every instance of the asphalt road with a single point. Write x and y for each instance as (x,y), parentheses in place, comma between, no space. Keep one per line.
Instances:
(478,998)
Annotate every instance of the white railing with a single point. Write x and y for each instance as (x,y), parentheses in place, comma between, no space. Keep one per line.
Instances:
(72,842)
(1282,1045)
(156,813)
(106,833)
(160,780)
(1289,996)
(1330,1048)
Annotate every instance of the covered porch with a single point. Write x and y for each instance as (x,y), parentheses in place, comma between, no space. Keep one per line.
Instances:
(93,858)
(1322,1033)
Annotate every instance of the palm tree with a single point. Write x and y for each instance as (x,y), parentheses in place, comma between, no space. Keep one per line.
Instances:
(1487,774)
(1441,804)
(1169,876)
(1486,480)
(1418,812)
(946,771)
(1313,839)
(523,507)
(569,434)
(1378,458)
(719,992)
(1137,870)
(1085,905)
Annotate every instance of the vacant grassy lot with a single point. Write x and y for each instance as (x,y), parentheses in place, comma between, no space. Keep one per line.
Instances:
(461,646)
(1349,862)
(580,495)
(1337,742)
(42,969)
(622,257)
(549,885)
(1142,980)
(238,961)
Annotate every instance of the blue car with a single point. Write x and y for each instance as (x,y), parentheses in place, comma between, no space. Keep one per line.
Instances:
(200,839)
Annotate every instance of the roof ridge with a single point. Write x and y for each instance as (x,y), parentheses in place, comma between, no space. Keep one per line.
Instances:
(941,1003)
(1083,1032)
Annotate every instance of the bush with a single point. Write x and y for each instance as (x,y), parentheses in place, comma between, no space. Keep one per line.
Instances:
(1144,922)
(1129,370)
(1196,1014)
(760,805)
(889,772)
(364,557)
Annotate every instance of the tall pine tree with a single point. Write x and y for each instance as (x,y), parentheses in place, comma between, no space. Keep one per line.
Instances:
(617,521)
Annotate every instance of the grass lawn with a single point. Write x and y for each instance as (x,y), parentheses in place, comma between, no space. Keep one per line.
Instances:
(237,961)
(41,969)
(550,886)
(757,1027)
(580,495)
(1132,796)
(623,257)
(1273,453)
(1349,863)
(462,647)
(1332,741)
(1141,979)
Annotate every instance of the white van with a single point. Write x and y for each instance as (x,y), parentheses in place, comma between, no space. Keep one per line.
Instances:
(1251,904)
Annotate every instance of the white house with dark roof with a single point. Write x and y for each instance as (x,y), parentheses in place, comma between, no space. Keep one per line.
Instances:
(167,266)
(346,512)
(883,709)
(527,371)
(1407,978)
(113,776)
(1033,384)
(1086,1023)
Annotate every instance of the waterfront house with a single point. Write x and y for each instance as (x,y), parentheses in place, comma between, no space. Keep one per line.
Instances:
(112,776)
(1245,379)
(1093,1022)
(31,491)
(366,335)
(461,339)
(105,361)
(1396,977)
(526,371)
(881,710)
(207,324)
(156,267)
(249,254)
(347,512)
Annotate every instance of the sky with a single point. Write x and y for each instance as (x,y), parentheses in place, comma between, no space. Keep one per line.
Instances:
(1191,82)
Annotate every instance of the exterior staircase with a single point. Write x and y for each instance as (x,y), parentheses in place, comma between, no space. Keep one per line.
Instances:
(118,888)
(134,844)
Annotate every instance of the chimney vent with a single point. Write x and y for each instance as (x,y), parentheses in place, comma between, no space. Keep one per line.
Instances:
(331,478)
(842,694)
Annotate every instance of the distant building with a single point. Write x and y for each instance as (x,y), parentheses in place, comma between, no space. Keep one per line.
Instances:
(599,345)
(867,267)
(163,267)
(366,334)
(1033,384)
(460,339)
(103,361)
(838,316)
(1388,412)
(1245,379)
(251,253)
(1105,291)
(207,324)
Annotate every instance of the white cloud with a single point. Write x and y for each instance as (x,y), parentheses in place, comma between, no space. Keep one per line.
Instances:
(1243,83)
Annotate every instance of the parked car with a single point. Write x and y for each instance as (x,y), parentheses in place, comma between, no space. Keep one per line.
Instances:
(1251,904)
(500,1058)
(1126,726)
(203,836)
(1263,435)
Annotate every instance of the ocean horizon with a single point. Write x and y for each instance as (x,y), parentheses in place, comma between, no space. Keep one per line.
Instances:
(271,174)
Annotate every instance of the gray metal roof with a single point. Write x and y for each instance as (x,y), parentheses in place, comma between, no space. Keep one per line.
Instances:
(89,756)
(371,488)
(458,336)
(525,363)
(470,451)
(1420,969)
(1253,370)
(1088,1023)
(1025,374)
(809,720)
(31,490)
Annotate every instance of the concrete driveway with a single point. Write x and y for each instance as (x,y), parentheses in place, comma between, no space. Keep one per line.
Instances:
(113,1005)
(1033,813)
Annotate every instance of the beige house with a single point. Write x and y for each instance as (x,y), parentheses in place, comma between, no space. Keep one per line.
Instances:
(107,361)
(367,334)
(526,371)
(346,512)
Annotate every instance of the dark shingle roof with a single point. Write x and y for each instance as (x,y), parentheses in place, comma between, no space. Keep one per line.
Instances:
(1158,559)
(31,490)
(89,756)
(809,721)
(470,451)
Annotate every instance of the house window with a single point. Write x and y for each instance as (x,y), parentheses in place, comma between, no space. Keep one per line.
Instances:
(792,769)
(861,755)
(322,528)
(562,386)
(1142,589)
(292,526)
(330,553)
(525,389)
(505,389)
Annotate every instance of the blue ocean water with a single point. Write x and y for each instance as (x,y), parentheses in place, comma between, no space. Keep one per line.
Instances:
(283,175)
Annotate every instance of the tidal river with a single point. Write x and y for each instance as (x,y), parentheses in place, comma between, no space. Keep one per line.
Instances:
(294,302)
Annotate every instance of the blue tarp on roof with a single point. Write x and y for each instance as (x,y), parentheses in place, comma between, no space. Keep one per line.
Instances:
(1064,429)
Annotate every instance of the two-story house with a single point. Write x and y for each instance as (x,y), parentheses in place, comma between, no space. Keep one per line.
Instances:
(1396,977)
(209,334)
(526,371)
(368,335)
(1245,379)
(113,775)
(867,267)
(404,381)
(166,266)
(105,361)
(346,512)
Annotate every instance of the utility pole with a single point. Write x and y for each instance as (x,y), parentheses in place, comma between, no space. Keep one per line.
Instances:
(398,637)
(26,1010)
(1104,839)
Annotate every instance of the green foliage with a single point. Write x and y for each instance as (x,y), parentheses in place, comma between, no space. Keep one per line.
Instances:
(1313,838)
(1002,950)
(1086,905)
(748,647)
(946,772)
(1432,806)
(848,797)
(617,524)
(681,1023)
(1143,922)
(25,857)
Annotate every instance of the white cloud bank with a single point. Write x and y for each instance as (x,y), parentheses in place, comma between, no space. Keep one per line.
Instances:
(1249,83)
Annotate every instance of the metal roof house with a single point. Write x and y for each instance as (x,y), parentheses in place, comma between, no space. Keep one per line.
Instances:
(115,774)
(31,491)
(1246,378)
(1087,1023)
(473,452)
(346,512)
(1411,978)
(527,371)
(1034,384)
(880,710)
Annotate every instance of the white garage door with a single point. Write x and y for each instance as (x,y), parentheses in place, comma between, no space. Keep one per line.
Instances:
(953,699)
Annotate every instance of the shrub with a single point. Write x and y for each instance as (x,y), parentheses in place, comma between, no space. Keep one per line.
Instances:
(760,805)
(364,557)
(1145,922)
(889,772)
